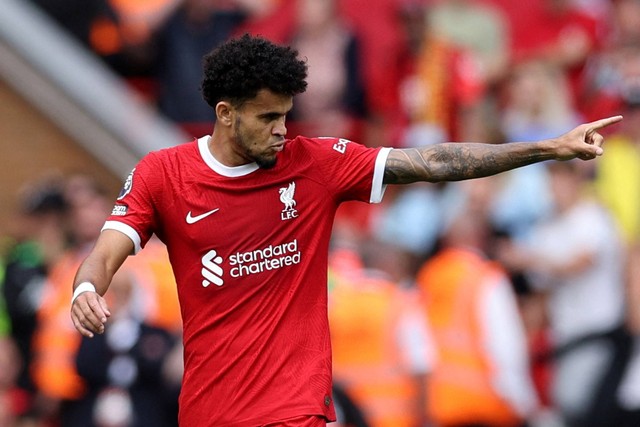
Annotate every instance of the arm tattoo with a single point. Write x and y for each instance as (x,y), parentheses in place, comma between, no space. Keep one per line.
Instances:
(457,161)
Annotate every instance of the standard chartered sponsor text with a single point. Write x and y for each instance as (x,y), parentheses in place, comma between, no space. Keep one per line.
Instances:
(269,258)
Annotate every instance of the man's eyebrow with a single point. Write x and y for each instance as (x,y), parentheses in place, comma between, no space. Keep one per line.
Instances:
(270,114)
(273,114)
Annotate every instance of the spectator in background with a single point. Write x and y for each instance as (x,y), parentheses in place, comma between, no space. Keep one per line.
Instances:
(481,31)
(613,70)
(629,391)
(55,344)
(624,27)
(617,182)
(92,23)
(537,101)
(576,258)
(152,272)
(41,240)
(618,176)
(407,227)
(61,388)
(536,104)
(123,368)
(137,21)
(380,343)
(77,17)
(481,372)
(335,103)
(441,86)
(436,93)
(477,27)
(192,30)
(382,42)
(559,32)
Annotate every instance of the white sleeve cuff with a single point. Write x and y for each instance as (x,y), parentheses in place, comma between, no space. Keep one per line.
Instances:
(127,230)
(377,187)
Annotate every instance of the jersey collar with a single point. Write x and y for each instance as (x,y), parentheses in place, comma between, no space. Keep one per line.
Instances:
(216,166)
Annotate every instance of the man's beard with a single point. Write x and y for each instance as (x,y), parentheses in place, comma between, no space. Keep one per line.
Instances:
(262,161)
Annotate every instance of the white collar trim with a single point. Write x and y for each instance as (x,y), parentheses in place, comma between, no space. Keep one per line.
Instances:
(216,166)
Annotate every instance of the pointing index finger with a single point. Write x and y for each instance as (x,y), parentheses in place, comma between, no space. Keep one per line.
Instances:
(599,124)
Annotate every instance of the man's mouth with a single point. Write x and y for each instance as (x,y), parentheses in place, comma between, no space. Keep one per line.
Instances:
(279,146)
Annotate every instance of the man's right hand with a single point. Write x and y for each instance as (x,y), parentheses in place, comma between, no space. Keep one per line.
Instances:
(583,142)
(89,313)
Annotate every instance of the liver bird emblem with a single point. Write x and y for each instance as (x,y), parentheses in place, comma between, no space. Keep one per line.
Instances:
(286,196)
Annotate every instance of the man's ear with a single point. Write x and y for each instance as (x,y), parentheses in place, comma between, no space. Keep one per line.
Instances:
(224,113)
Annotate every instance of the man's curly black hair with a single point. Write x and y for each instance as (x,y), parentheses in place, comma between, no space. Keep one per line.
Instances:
(236,70)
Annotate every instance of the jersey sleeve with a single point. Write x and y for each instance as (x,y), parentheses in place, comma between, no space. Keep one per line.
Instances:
(351,170)
(134,213)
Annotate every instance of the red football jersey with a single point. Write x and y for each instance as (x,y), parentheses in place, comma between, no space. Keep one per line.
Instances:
(248,247)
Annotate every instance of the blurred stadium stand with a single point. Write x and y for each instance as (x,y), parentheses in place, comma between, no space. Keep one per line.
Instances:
(60,107)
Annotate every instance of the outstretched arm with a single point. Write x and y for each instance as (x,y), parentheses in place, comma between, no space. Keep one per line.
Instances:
(455,161)
(89,310)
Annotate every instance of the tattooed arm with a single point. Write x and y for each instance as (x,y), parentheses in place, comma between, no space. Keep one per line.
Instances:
(455,161)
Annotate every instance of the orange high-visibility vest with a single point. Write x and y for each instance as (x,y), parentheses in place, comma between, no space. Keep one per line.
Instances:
(56,341)
(363,315)
(459,389)
(152,271)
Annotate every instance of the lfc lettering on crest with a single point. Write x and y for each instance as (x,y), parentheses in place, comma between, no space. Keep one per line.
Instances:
(287,198)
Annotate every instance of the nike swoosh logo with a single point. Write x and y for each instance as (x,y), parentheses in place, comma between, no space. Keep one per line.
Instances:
(194,219)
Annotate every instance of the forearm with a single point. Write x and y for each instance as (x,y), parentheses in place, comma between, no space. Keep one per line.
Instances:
(94,271)
(458,161)
(108,254)
(89,310)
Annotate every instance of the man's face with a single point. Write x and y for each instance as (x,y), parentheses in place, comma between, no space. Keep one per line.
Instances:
(259,128)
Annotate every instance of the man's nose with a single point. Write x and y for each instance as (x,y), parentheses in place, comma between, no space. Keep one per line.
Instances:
(280,129)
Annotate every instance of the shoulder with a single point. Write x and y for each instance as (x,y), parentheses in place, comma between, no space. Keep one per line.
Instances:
(169,157)
(177,151)
(310,143)
(324,145)
(157,167)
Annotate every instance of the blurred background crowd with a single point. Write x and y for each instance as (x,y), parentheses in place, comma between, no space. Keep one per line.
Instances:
(507,301)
